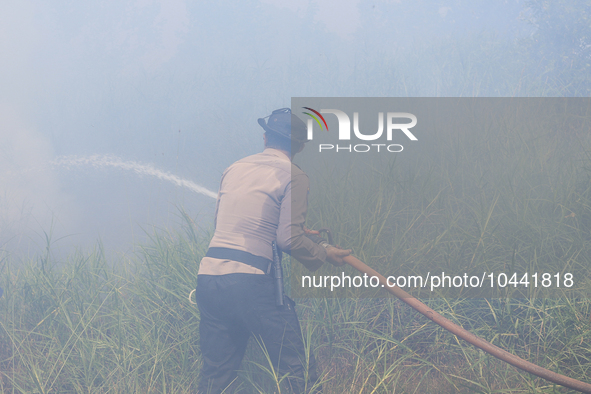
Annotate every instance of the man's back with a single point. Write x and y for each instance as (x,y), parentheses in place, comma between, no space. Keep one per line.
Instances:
(253,210)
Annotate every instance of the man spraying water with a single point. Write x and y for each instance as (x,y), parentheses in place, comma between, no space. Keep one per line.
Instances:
(261,207)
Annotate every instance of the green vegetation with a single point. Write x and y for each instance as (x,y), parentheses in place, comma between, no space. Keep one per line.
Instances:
(88,326)
(494,201)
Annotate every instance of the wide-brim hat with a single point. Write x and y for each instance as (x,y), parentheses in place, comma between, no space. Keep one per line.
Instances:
(285,124)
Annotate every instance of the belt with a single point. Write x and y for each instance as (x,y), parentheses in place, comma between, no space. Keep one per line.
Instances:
(259,262)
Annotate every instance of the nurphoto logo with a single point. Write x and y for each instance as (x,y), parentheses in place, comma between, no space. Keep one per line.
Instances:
(393,126)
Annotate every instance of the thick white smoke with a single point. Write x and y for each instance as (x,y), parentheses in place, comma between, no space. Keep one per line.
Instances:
(31,202)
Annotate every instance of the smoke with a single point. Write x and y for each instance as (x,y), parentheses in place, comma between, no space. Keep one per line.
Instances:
(31,200)
(125,77)
(68,197)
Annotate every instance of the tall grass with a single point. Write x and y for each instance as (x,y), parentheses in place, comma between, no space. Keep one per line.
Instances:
(84,325)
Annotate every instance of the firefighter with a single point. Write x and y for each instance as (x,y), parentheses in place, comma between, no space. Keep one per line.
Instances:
(262,200)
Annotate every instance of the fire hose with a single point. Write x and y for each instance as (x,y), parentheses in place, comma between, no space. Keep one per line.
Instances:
(468,336)
(461,332)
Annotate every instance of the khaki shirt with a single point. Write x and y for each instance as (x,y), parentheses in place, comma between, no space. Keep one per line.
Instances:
(262,198)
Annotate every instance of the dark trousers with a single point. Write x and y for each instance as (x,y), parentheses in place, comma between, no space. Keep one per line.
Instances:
(234,307)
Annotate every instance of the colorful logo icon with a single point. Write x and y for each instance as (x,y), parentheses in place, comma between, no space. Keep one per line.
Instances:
(315,118)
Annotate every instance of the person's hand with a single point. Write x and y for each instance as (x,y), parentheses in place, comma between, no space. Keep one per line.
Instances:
(334,255)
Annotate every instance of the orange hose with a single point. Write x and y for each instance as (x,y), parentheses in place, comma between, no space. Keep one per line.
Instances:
(468,336)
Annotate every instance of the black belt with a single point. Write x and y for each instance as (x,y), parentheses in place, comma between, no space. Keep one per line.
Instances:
(259,262)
